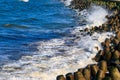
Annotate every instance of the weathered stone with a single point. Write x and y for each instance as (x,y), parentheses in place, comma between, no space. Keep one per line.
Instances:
(108,56)
(78,76)
(80,70)
(103,66)
(107,78)
(112,49)
(100,75)
(98,56)
(118,35)
(115,74)
(115,62)
(69,76)
(87,74)
(88,66)
(107,42)
(86,29)
(116,55)
(106,50)
(61,77)
(118,66)
(115,41)
(94,70)
(118,47)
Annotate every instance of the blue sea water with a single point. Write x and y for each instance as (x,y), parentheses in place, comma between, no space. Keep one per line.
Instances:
(23,23)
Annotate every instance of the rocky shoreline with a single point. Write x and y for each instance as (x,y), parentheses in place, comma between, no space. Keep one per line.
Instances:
(108,59)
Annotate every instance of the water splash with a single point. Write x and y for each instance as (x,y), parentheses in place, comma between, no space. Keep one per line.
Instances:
(67,2)
(97,15)
(58,56)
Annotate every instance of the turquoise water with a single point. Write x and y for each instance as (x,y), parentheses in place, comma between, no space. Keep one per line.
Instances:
(23,23)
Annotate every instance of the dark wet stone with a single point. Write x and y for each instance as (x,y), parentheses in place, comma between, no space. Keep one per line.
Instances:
(61,77)
(107,78)
(116,55)
(80,70)
(103,66)
(99,56)
(118,47)
(69,76)
(100,75)
(94,70)
(79,76)
(87,74)
(118,35)
(114,73)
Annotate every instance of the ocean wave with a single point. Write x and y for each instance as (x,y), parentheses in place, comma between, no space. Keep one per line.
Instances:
(59,55)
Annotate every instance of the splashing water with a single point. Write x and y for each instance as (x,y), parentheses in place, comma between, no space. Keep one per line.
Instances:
(67,2)
(96,16)
(58,55)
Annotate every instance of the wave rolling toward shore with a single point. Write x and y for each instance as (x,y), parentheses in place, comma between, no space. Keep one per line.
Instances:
(60,55)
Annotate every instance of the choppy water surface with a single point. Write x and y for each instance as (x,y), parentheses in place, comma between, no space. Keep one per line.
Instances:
(22,23)
(40,39)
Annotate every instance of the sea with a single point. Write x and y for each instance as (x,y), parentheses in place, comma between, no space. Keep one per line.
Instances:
(40,39)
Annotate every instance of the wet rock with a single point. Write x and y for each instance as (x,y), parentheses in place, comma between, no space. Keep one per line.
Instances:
(112,49)
(87,74)
(79,76)
(107,78)
(115,62)
(103,66)
(94,70)
(80,70)
(116,41)
(115,74)
(107,42)
(118,47)
(107,56)
(118,35)
(69,76)
(100,75)
(116,55)
(118,66)
(88,66)
(61,77)
(99,55)
(86,29)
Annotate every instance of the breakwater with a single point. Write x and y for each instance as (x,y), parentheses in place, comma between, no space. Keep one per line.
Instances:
(108,59)
(84,4)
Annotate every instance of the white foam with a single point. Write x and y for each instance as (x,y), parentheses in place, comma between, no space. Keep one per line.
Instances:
(67,2)
(95,16)
(55,57)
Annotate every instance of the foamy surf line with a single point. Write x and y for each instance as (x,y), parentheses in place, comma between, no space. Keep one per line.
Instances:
(58,56)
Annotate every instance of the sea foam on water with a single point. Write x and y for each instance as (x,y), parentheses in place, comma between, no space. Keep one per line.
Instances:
(58,56)
(67,2)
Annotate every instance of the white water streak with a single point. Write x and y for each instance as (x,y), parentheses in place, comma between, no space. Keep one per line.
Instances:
(58,56)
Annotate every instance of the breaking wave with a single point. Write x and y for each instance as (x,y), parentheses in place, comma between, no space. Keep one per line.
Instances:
(60,55)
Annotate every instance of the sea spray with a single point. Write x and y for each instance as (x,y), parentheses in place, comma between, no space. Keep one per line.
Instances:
(96,15)
(54,57)
(67,2)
